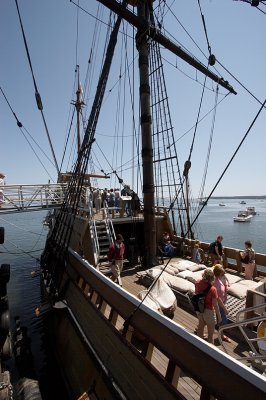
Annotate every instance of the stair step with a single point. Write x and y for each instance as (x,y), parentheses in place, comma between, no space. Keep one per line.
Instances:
(104,250)
(104,244)
(101,232)
(102,238)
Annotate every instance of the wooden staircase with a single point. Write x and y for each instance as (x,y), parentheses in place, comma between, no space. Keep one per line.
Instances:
(105,239)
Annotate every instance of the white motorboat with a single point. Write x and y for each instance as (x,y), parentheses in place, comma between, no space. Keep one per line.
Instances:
(251,211)
(243,216)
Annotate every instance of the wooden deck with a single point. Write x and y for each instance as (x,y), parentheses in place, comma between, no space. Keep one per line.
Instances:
(186,385)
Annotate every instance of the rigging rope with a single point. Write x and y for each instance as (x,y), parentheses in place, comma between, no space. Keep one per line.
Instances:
(20,125)
(241,84)
(205,30)
(197,121)
(75,186)
(168,180)
(37,94)
(230,161)
(209,147)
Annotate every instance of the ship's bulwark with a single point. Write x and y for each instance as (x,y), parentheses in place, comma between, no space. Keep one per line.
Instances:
(93,323)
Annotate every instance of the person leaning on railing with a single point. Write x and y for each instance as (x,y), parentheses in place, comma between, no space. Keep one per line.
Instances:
(248,260)
(216,250)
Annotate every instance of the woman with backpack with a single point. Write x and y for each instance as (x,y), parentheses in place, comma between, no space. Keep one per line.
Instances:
(211,313)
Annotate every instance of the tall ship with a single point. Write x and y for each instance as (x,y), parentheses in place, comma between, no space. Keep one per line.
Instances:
(135,339)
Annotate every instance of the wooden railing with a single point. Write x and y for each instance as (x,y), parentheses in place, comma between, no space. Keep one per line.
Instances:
(231,256)
(123,318)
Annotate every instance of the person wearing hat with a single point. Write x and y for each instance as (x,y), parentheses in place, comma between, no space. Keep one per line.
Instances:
(115,257)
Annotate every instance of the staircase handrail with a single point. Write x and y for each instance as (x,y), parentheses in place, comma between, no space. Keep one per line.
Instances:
(109,224)
(94,235)
(240,325)
(249,309)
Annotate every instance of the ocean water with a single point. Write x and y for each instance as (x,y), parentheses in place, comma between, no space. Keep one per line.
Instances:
(24,241)
(217,220)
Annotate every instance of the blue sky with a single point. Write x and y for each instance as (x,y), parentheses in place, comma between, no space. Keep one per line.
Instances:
(236,33)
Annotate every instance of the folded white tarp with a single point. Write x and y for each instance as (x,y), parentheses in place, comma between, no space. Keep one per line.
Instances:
(160,296)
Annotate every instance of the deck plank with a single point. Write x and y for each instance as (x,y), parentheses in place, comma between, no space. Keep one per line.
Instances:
(186,385)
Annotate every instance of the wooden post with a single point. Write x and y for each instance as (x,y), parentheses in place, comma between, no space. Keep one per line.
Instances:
(238,262)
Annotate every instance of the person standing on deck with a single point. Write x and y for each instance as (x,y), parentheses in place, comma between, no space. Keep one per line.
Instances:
(196,256)
(248,260)
(221,284)
(216,250)
(117,199)
(115,257)
(97,199)
(111,199)
(211,314)
(126,191)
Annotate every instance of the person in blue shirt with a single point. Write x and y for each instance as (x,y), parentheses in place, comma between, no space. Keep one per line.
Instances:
(196,257)
(167,247)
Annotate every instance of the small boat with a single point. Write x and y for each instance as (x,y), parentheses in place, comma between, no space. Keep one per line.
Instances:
(243,202)
(243,216)
(251,211)
(222,205)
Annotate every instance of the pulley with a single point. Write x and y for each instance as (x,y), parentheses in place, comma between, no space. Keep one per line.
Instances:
(212,59)
(255,3)
(186,167)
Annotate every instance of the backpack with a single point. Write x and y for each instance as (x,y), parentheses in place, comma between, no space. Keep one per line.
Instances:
(211,248)
(197,300)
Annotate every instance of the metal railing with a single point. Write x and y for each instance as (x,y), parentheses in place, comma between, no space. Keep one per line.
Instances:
(254,355)
(25,197)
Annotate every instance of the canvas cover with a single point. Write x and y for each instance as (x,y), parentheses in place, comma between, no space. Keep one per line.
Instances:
(159,294)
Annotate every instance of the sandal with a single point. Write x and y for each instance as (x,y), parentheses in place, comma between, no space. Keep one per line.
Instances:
(226,339)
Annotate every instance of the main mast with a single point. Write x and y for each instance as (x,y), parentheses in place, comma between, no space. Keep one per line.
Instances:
(145,30)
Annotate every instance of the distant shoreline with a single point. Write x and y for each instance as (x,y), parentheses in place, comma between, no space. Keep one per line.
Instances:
(238,197)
